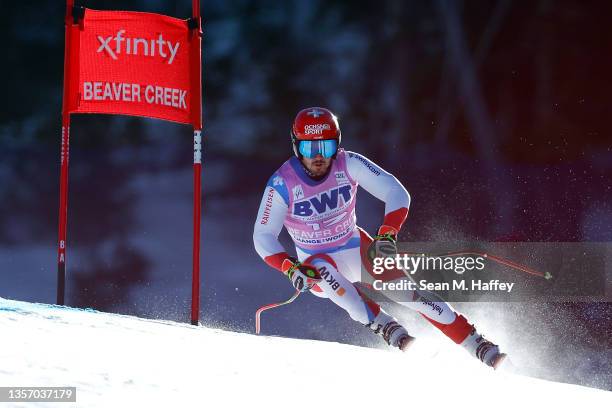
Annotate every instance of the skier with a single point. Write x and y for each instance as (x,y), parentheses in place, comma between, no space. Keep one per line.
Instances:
(313,195)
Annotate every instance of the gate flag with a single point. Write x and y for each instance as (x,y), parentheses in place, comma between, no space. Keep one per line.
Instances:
(131,63)
(139,64)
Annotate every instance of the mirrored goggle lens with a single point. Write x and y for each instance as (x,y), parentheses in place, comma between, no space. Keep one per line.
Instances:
(312,148)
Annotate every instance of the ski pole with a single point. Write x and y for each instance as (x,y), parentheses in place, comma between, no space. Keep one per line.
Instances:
(498,259)
(271,306)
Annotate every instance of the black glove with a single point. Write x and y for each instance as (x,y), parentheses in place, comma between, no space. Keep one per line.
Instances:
(384,243)
(302,276)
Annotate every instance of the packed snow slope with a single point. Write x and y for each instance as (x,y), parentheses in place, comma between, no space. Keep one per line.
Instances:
(123,361)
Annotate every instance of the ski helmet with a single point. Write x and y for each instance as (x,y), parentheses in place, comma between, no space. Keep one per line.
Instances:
(315,126)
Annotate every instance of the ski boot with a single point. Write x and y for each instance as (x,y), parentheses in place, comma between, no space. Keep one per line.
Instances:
(391,331)
(483,349)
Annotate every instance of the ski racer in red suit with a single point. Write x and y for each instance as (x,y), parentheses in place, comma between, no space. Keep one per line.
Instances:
(313,196)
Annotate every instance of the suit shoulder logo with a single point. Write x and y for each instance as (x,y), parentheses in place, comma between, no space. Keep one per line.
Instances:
(277,181)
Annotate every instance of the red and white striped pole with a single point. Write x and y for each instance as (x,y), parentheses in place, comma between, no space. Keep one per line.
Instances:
(272,306)
(64,159)
(196,119)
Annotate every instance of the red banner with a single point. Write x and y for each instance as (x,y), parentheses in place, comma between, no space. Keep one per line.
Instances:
(131,63)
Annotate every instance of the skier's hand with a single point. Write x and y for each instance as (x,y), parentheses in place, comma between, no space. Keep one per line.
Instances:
(302,276)
(384,243)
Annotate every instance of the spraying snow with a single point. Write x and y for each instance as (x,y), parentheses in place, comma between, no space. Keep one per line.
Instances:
(116,360)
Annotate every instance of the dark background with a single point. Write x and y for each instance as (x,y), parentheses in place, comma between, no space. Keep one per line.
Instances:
(494,114)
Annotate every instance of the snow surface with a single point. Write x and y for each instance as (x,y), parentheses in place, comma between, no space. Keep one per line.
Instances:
(124,361)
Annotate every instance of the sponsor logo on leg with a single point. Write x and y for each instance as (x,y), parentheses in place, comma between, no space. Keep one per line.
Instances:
(331,281)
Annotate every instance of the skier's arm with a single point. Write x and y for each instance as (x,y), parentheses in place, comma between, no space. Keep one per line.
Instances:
(269,223)
(385,187)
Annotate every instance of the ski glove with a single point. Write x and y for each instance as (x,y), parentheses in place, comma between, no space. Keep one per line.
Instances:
(302,276)
(384,243)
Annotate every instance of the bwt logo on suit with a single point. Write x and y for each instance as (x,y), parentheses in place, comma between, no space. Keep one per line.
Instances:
(327,199)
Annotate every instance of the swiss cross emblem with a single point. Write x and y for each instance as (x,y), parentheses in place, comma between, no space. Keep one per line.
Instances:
(315,113)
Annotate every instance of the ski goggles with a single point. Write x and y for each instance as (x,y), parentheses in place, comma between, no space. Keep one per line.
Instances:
(312,148)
